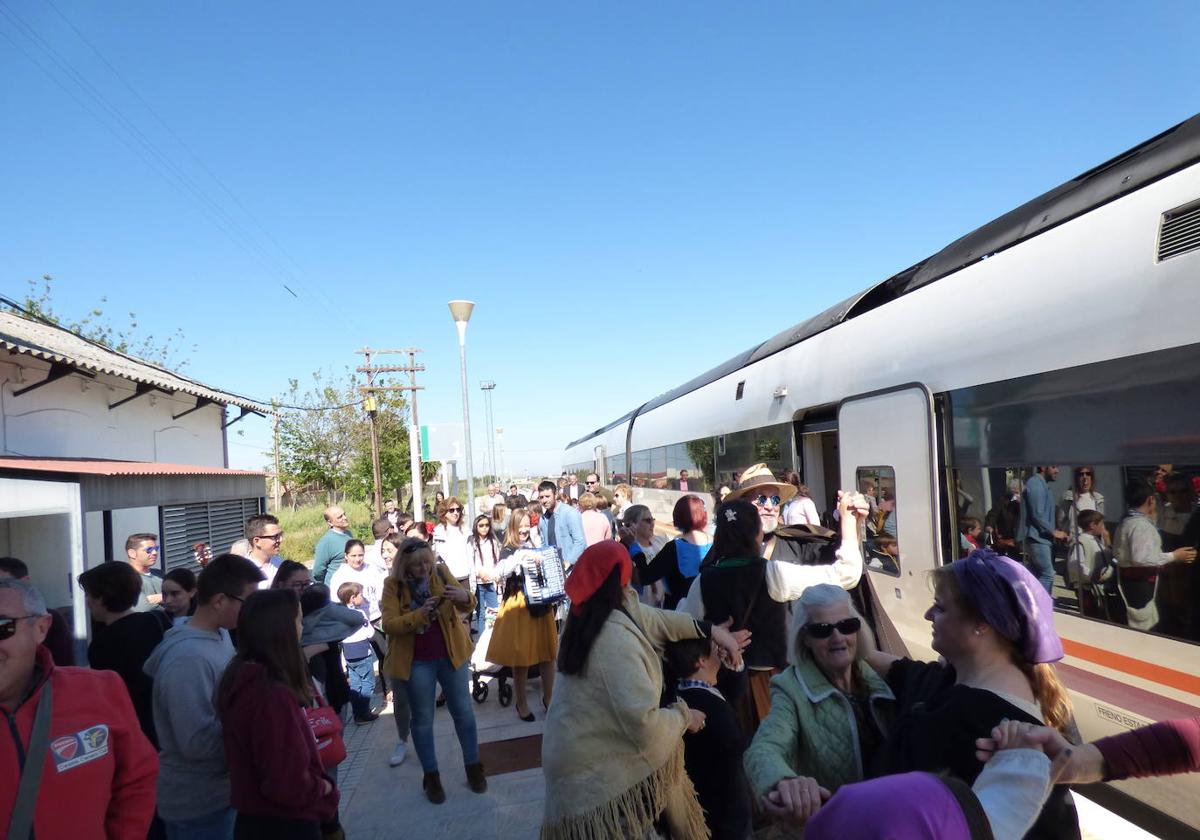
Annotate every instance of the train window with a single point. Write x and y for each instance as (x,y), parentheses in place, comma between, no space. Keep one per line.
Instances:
(882,543)
(1115,543)
(770,445)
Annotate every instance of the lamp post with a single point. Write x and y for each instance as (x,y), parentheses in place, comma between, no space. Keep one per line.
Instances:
(461,310)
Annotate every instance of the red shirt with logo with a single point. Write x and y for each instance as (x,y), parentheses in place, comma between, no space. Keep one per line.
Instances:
(99,771)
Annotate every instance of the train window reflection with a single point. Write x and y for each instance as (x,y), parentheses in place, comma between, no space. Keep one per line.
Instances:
(1111,542)
(881,539)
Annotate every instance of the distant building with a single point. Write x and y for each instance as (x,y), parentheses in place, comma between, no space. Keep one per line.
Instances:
(96,445)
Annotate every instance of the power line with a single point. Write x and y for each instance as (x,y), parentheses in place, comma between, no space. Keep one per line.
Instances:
(12,304)
(152,154)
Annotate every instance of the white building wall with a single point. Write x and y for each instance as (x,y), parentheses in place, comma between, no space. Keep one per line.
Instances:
(36,526)
(70,418)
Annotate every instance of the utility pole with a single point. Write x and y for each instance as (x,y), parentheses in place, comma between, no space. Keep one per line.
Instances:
(414,443)
(488,386)
(278,496)
(369,403)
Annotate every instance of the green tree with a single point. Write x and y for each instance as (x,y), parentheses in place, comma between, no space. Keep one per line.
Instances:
(325,440)
(318,433)
(94,326)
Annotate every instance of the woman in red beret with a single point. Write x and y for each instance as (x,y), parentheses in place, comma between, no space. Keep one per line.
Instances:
(611,757)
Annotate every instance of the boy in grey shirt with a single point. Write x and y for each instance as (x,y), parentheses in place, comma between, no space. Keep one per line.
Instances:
(193,779)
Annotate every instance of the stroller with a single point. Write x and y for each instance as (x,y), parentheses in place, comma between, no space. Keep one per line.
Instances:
(484,672)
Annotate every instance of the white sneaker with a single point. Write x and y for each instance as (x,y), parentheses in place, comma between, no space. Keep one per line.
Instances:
(398,755)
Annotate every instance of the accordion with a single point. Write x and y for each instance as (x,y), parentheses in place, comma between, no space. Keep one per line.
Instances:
(545,584)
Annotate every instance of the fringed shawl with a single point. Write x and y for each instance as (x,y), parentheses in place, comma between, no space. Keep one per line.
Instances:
(612,759)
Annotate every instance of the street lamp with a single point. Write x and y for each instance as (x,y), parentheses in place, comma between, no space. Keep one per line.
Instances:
(488,386)
(461,310)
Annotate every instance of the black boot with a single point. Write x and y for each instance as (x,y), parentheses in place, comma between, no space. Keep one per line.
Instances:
(433,788)
(475,778)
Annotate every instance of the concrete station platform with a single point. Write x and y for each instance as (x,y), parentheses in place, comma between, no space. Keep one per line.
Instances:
(381,802)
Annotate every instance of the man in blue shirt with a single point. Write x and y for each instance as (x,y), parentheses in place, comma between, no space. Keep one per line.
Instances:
(1036,529)
(560,525)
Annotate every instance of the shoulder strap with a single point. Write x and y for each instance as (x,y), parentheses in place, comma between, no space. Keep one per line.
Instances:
(754,598)
(20,827)
(973,813)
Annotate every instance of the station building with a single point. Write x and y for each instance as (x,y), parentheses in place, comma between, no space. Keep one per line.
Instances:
(96,445)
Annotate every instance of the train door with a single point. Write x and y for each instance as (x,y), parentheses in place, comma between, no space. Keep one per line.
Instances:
(887,449)
(817,455)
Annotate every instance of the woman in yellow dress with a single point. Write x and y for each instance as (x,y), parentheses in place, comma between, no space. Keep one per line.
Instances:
(522,635)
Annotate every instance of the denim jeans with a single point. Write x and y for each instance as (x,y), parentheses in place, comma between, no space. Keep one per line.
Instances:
(215,826)
(399,696)
(362,683)
(485,596)
(422,695)
(1040,559)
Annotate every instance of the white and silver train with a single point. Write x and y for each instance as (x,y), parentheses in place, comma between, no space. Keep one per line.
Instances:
(1066,332)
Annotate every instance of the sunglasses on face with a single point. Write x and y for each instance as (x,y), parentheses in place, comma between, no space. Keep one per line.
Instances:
(453,510)
(272,537)
(821,630)
(151,549)
(763,501)
(8,626)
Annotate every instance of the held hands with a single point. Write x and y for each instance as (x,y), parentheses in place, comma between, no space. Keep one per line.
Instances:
(430,606)
(853,504)
(1068,764)
(1183,555)
(625,535)
(731,644)
(696,720)
(794,800)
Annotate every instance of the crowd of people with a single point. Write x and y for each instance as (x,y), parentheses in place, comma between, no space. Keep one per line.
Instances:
(727,675)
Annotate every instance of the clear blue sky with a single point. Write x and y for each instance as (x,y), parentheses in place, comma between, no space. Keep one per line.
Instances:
(633,192)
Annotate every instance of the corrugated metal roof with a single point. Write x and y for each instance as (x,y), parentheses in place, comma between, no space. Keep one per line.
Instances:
(93,466)
(55,344)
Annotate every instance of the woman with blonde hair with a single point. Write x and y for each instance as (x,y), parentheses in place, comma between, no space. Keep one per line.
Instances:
(523,636)
(993,624)
(423,608)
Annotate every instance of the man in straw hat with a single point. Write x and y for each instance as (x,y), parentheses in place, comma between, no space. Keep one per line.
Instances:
(795,545)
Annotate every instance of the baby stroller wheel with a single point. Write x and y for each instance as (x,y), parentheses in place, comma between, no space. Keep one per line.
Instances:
(506,693)
(479,691)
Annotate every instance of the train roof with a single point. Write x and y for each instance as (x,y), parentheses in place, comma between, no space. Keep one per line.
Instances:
(1158,157)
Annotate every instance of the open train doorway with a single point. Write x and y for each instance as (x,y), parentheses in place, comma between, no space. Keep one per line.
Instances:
(817,456)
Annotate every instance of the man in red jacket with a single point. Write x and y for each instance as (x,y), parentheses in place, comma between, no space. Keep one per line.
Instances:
(98,770)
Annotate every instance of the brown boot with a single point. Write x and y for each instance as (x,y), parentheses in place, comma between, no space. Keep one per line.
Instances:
(475,778)
(432,783)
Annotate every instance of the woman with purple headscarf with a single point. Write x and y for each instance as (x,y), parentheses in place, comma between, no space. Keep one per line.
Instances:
(993,624)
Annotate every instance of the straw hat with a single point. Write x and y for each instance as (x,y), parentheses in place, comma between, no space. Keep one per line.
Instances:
(758,479)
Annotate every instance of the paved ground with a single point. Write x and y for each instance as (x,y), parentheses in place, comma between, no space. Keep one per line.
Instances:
(381,802)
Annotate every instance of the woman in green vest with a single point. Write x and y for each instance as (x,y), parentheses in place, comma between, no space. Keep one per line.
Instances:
(829,709)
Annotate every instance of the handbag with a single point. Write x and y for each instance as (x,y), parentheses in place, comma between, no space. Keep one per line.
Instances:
(326,726)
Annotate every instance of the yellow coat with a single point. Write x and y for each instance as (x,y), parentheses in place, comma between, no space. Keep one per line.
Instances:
(401,624)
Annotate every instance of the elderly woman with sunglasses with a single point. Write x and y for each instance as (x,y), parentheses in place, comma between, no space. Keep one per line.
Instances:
(829,709)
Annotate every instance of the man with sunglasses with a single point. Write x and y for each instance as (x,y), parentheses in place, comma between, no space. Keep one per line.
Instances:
(142,552)
(800,546)
(265,535)
(330,552)
(98,769)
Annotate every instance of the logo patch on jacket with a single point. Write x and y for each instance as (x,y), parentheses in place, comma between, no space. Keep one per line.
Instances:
(70,751)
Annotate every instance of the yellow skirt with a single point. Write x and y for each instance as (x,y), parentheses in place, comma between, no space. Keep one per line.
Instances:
(519,639)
